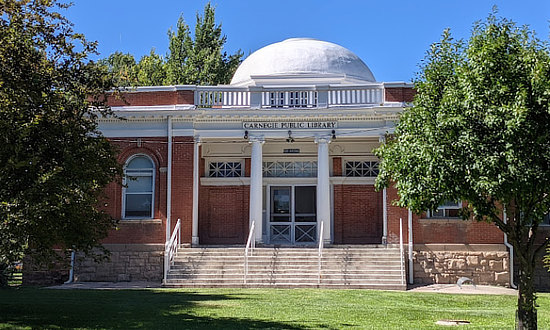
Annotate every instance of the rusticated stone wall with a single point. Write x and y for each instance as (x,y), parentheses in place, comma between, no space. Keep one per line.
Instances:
(129,262)
(486,264)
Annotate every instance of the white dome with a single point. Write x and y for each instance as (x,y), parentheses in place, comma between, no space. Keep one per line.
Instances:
(302,57)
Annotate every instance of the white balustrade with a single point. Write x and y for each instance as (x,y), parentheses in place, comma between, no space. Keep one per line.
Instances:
(287,97)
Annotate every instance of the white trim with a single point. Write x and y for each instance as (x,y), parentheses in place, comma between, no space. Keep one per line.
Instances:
(153,177)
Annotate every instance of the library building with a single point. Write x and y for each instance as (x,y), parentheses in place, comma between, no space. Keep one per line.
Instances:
(269,181)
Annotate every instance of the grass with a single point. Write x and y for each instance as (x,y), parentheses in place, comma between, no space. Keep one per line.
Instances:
(26,308)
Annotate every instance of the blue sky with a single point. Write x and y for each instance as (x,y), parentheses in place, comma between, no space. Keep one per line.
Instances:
(390,36)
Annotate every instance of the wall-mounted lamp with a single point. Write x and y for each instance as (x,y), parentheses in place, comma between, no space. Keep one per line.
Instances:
(245,135)
(333,134)
(290,139)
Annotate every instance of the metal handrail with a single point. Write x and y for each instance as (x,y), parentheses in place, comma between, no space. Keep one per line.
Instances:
(320,252)
(401,251)
(250,244)
(171,248)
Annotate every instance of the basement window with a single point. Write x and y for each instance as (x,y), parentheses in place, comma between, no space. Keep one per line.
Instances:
(448,210)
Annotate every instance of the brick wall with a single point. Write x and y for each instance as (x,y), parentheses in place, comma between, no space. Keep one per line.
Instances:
(357,214)
(223,214)
(154,231)
(182,185)
(442,231)
(399,94)
(152,98)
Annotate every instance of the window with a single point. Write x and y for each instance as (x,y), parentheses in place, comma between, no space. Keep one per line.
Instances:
(139,188)
(367,169)
(449,209)
(225,170)
(290,169)
(546,220)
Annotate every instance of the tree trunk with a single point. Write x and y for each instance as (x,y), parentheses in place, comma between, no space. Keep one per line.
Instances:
(526,314)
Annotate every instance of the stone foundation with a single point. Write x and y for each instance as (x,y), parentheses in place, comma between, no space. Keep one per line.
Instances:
(486,264)
(129,262)
(40,275)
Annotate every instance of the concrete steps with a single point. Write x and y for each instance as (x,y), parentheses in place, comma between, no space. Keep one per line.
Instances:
(350,267)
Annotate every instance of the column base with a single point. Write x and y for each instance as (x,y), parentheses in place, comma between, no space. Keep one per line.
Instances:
(194,240)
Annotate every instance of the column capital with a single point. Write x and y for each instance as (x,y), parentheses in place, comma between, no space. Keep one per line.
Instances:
(197,139)
(322,139)
(382,138)
(256,139)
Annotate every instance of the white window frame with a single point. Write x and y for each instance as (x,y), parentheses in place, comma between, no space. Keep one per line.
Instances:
(458,206)
(153,180)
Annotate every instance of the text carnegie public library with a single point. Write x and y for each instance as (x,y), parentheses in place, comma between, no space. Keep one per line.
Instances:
(289,125)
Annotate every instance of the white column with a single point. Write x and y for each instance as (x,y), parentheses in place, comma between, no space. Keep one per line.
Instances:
(169,181)
(385,216)
(323,187)
(382,139)
(196,175)
(256,176)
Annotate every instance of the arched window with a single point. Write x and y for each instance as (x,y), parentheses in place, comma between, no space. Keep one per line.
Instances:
(139,188)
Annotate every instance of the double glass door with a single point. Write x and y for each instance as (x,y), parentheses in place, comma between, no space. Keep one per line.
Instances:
(292,215)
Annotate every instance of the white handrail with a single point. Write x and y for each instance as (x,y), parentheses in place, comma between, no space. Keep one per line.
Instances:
(171,248)
(320,252)
(401,251)
(250,244)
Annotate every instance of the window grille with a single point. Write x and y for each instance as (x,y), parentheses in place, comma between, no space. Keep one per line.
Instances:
(225,169)
(290,169)
(367,169)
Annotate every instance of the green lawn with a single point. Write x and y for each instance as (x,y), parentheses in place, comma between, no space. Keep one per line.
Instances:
(254,308)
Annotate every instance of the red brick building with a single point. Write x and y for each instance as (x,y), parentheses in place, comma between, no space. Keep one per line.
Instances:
(288,147)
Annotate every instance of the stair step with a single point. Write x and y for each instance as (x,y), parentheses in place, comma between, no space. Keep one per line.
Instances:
(359,267)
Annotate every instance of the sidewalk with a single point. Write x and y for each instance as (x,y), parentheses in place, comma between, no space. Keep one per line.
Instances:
(465,289)
(433,288)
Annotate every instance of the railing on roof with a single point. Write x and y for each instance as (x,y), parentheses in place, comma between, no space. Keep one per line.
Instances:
(287,97)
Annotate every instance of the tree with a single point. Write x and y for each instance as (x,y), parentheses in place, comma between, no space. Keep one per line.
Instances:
(199,60)
(151,70)
(180,44)
(123,67)
(479,131)
(206,63)
(54,162)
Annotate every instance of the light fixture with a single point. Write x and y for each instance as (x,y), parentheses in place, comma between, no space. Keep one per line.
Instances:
(245,135)
(290,139)
(333,134)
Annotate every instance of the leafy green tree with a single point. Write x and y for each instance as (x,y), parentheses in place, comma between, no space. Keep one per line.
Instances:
(124,68)
(199,60)
(54,163)
(180,44)
(479,131)
(151,70)
(207,63)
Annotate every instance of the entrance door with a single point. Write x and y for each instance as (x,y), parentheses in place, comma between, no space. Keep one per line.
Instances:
(292,215)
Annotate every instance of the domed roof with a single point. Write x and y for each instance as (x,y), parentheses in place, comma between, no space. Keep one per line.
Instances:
(301,57)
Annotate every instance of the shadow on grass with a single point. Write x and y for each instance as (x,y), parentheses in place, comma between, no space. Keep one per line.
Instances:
(123,309)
